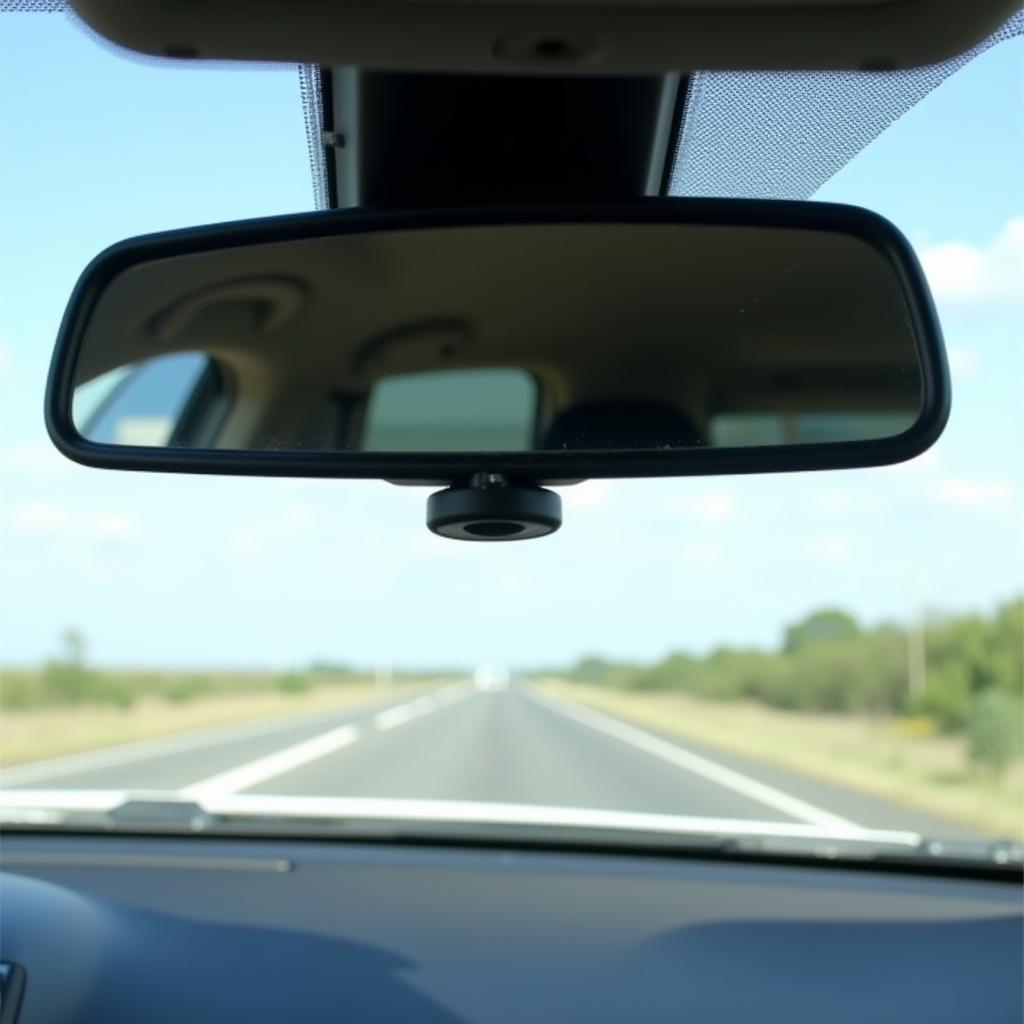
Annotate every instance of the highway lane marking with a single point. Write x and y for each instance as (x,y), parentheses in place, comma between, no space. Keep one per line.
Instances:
(403,713)
(695,763)
(389,718)
(253,772)
(194,739)
(141,750)
(451,694)
(394,716)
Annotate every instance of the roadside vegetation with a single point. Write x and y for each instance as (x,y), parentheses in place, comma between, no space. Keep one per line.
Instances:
(933,716)
(68,705)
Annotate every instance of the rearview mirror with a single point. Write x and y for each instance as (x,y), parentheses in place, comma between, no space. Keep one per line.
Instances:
(662,337)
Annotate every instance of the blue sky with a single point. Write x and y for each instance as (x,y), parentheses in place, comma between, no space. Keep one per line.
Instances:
(201,571)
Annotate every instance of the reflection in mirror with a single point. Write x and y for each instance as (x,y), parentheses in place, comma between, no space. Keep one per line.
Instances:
(584,337)
(493,408)
(141,404)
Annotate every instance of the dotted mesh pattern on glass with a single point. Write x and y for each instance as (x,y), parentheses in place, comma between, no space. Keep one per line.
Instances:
(782,135)
(32,6)
(310,87)
(770,135)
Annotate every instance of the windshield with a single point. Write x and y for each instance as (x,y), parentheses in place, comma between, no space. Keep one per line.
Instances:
(813,654)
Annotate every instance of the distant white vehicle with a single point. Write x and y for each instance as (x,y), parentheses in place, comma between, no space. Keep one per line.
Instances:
(490,678)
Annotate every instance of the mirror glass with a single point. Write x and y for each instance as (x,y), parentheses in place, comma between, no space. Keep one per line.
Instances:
(512,338)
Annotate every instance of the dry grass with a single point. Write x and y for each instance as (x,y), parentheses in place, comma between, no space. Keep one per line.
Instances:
(38,733)
(898,761)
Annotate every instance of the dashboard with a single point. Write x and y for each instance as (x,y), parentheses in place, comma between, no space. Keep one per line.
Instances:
(126,929)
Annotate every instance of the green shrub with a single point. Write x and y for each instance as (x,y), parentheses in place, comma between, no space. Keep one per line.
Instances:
(119,692)
(820,627)
(66,683)
(294,682)
(946,699)
(18,690)
(329,668)
(995,729)
(828,663)
(187,688)
(674,673)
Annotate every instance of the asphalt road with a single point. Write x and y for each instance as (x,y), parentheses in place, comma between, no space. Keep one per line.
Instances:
(515,744)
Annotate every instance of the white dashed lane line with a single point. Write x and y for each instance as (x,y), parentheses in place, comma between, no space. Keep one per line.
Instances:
(252,773)
(395,716)
(281,761)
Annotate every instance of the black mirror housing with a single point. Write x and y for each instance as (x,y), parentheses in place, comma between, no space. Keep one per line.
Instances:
(534,464)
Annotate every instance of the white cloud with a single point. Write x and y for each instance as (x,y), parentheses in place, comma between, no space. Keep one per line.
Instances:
(714,508)
(830,549)
(292,520)
(33,458)
(711,509)
(973,495)
(115,526)
(40,517)
(963,362)
(587,496)
(972,275)
(48,518)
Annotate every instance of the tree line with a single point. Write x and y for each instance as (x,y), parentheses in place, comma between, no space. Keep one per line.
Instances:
(970,679)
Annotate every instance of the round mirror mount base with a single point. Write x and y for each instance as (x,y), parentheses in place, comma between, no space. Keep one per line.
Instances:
(489,507)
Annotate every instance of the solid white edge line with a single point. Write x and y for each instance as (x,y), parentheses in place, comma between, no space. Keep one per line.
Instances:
(694,763)
(263,768)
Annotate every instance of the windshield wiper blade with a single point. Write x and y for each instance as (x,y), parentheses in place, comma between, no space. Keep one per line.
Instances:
(106,809)
(999,853)
(151,812)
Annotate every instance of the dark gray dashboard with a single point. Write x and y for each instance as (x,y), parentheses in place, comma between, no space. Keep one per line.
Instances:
(152,930)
